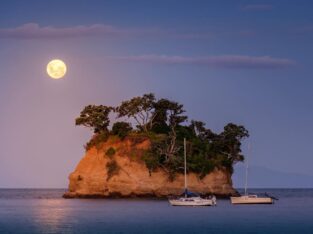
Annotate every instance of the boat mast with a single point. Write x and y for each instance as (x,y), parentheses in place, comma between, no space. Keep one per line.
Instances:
(247,165)
(185,166)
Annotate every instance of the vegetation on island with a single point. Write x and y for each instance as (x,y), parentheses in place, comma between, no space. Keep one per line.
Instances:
(165,123)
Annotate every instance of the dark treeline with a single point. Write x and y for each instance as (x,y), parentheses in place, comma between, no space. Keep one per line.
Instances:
(166,124)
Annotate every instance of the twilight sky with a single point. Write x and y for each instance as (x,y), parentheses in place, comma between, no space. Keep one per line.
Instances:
(247,62)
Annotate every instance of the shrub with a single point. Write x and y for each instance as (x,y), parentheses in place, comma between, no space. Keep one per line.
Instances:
(112,168)
(110,152)
(151,161)
(121,129)
(97,140)
(200,164)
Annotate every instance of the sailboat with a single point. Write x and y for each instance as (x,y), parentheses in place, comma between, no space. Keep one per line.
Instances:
(188,198)
(251,198)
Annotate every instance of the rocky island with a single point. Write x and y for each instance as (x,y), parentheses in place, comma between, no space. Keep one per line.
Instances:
(147,160)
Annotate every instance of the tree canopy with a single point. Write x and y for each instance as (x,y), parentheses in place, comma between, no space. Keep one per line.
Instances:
(140,109)
(167,122)
(95,117)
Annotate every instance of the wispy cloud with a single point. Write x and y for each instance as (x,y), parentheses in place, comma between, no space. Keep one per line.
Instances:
(257,7)
(222,61)
(35,31)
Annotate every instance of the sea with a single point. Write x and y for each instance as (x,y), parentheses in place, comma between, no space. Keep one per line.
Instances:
(45,211)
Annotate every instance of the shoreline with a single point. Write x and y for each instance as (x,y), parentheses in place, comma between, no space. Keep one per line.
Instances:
(71,195)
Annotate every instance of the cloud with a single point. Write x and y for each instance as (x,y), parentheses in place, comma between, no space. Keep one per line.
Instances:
(222,61)
(35,31)
(257,7)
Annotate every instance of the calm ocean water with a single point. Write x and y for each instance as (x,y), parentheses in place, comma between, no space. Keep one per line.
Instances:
(44,211)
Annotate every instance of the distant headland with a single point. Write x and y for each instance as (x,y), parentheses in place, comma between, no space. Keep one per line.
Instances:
(147,160)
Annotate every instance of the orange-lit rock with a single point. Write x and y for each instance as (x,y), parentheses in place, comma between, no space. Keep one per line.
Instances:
(90,178)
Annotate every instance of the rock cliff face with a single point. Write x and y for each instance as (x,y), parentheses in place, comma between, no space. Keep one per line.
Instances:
(116,170)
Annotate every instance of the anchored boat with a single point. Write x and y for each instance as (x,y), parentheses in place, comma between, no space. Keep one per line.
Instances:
(189,198)
(251,198)
(193,201)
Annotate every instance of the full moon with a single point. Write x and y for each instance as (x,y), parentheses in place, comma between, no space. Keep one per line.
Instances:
(56,69)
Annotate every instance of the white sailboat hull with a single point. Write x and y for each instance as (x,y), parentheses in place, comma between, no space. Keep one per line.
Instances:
(251,200)
(192,202)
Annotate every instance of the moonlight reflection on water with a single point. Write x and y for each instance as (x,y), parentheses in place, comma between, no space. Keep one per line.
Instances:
(44,211)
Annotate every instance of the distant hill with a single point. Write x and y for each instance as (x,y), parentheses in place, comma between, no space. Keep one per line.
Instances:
(261,177)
